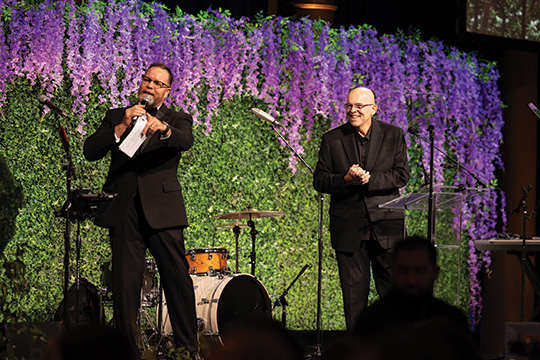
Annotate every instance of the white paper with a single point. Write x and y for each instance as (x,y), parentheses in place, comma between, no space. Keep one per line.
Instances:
(135,138)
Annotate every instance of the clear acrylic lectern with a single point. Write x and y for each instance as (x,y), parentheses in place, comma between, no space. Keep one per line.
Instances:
(448,204)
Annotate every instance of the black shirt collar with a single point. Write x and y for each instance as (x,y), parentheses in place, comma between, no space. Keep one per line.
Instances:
(359,137)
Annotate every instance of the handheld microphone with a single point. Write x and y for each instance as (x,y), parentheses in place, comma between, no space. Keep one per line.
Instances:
(146,100)
(264,116)
(43,99)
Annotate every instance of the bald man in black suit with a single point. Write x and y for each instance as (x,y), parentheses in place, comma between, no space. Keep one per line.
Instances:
(362,164)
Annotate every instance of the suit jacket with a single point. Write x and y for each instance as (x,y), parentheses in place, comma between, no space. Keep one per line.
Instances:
(353,206)
(152,171)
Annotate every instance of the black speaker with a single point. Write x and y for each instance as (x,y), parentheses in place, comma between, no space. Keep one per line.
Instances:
(29,340)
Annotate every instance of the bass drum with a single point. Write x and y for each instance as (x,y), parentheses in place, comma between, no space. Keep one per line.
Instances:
(222,302)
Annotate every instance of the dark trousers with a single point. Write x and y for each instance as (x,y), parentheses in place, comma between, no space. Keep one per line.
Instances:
(129,242)
(354,268)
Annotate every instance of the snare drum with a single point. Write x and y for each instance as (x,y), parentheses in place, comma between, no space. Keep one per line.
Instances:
(208,261)
(222,302)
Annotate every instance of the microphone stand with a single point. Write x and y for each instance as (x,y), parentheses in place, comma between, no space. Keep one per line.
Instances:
(523,205)
(431,204)
(535,211)
(319,243)
(283,302)
(459,165)
(66,210)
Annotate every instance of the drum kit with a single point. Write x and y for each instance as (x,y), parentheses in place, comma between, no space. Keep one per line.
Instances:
(223,298)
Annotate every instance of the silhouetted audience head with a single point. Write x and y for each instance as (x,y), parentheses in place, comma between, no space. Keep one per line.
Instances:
(430,339)
(91,342)
(410,323)
(414,267)
(261,339)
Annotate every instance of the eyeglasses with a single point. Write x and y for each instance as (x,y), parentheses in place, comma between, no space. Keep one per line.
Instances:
(158,83)
(356,106)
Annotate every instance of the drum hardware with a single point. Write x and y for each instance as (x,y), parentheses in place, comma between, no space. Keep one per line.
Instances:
(281,301)
(251,213)
(151,291)
(147,338)
(150,287)
(105,292)
(206,301)
(235,226)
(200,325)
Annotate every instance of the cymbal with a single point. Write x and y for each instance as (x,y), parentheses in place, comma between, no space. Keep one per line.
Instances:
(250,213)
(233,224)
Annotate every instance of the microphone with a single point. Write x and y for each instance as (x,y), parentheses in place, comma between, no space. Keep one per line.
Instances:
(43,99)
(264,116)
(413,131)
(534,109)
(146,100)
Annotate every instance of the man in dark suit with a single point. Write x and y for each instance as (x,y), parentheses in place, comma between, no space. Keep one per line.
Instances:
(362,164)
(148,211)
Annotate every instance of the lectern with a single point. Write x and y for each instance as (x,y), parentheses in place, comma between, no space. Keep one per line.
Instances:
(446,236)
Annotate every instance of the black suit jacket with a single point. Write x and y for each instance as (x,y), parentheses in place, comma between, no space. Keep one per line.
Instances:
(152,170)
(353,206)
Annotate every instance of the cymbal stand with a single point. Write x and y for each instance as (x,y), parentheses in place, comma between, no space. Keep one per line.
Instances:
(319,243)
(236,232)
(252,255)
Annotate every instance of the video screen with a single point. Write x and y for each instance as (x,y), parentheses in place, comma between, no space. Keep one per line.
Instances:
(514,19)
